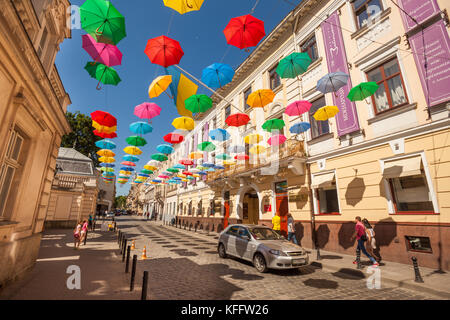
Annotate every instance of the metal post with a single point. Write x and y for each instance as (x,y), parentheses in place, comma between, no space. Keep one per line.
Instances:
(144,286)
(133,272)
(358,259)
(318,253)
(416,270)
(124,246)
(127,263)
(118,236)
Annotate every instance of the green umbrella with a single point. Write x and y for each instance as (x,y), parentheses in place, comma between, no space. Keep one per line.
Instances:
(174,170)
(273,124)
(102,21)
(190,178)
(206,146)
(102,73)
(198,103)
(159,157)
(223,156)
(107,169)
(362,91)
(293,65)
(146,171)
(136,141)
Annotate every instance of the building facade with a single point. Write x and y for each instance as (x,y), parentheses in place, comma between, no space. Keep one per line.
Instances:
(106,193)
(32,113)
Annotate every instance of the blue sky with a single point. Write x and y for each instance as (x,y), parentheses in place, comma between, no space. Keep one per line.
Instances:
(203,42)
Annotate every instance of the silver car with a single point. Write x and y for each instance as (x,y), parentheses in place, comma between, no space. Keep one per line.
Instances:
(262,246)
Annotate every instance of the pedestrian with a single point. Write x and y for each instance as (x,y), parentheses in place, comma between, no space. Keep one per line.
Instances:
(360,235)
(84,231)
(276,223)
(77,236)
(91,220)
(371,244)
(291,229)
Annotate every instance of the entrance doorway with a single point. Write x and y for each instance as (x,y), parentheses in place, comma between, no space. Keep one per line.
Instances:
(281,194)
(250,208)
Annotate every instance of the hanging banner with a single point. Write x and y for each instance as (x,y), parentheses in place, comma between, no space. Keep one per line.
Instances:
(347,117)
(420,10)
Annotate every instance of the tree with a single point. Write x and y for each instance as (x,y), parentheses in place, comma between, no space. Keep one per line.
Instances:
(82,137)
(120,202)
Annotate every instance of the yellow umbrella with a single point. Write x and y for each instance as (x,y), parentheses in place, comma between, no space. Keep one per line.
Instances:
(257,149)
(151,168)
(325,113)
(132,150)
(196,155)
(106,159)
(159,85)
(195,175)
(105,153)
(260,98)
(183,123)
(181,176)
(185,180)
(183,6)
(104,129)
(125,173)
(253,138)
(228,163)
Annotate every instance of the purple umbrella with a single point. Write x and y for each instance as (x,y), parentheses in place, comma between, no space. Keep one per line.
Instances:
(107,54)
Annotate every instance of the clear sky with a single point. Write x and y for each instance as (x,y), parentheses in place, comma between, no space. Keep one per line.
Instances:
(200,34)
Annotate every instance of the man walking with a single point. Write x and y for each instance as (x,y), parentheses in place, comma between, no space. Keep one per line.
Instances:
(360,235)
(291,229)
(276,223)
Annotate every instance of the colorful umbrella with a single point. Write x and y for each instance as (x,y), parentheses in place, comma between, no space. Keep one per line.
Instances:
(135,151)
(147,110)
(176,178)
(219,134)
(206,146)
(187,173)
(127,169)
(179,166)
(108,174)
(165,148)
(273,124)
(276,140)
(201,168)
(106,169)
(125,172)
(104,118)
(102,128)
(105,135)
(293,65)
(300,127)
(362,91)
(150,168)
(237,149)
(237,119)
(173,138)
(143,175)
(297,108)
(164,51)
(101,20)
(219,167)
(223,156)
(159,85)
(228,163)
(324,113)
(140,127)
(186,162)
(153,163)
(258,149)
(106,159)
(217,75)
(260,98)
(131,158)
(244,31)
(241,157)
(198,103)
(208,164)
(196,155)
(107,165)
(332,82)
(159,157)
(183,6)
(108,54)
(105,144)
(102,73)
(173,170)
(253,138)
(106,153)
(136,141)
(183,123)
(146,171)
(128,163)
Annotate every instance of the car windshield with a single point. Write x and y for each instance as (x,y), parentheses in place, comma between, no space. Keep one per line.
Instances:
(264,234)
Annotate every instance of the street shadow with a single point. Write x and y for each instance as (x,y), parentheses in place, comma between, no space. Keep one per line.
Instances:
(184,252)
(330,257)
(355,191)
(321,283)
(170,246)
(323,235)
(345,234)
(299,232)
(349,274)
(211,252)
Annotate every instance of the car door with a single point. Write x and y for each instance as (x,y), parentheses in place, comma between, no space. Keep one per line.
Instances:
(243,244)
(231,240)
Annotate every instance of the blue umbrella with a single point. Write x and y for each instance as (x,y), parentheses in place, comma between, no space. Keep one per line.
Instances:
(108,165)
(137,181)
(217,75)
(127,168)
(208,164)
(176,178)
(140,127)
(332,82)
(219,134)
(143,175)
(179,166)
(300,127)
(131,158)
(202,173)
(210,170)
(156,180)
(219,167)
(108,174)
(167,173)
(105,144)
(165,148)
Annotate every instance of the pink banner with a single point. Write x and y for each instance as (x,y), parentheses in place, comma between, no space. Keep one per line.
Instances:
(420,10)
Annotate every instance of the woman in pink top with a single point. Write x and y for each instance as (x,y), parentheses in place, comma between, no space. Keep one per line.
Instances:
(84,232)
(360,235)
(77,235)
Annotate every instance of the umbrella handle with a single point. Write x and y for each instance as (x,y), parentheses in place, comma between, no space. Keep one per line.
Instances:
(96,30)
(171,97)
(98,88)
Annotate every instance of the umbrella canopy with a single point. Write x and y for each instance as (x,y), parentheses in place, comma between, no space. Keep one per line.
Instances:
(178,166)
(105,144)
(108,165)
(223,156)
(258,149)
(237,119)
(183,123)
(276,140)
(106,159)
(219,134)
(163,176)
(228,163)
(332,82)
(104,118)
(219,167)
(159,85)
(102,73)
(298,107)
(260,98)
(147,110)
(150,168)
(128,163)
(244,31)
(198,103)
(253,138)
(237,149)
(108,174)
(159,157)
(146,171)
(127,169)
(196,155)
(206,146)
(154,163)
(136,141)
(105,153)
(186,162)
(102,128)
(164,148)
(176,178)
(105,135)
(143,175)
(125,172)
(183,6)
(293,65)
(140,127)
(173,170)
(273,124)
(201,168)
(102,21)
(208,164)
(173,138)
(300,127)
(107,169)
(108,54)
(131,158)
(135,151)
(241,157)
(362,91)
(164,51)
(217,75)
(187,173)
(324,113)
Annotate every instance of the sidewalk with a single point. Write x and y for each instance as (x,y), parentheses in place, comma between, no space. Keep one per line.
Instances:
(102,273)
(397,274)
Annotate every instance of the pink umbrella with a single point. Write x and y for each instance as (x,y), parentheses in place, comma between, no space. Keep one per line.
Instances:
(298,107)
(107,54)
(147,110)
(163,176)
(128,163)
(276,140)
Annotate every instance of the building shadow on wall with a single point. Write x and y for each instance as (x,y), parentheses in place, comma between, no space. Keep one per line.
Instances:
(299,232)
(355,191)
(345,235)
(323,235)
(385,233)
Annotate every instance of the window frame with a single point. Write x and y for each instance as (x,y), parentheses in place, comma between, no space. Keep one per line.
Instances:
(364,6)
(316,198)
(308,48)
(227,113)
(311,119)
(270,72)
(246,106)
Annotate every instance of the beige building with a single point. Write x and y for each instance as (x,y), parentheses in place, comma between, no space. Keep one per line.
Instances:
(385,158)
(33,103)
(106,193)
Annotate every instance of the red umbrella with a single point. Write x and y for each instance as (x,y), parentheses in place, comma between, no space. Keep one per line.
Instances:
(244,31)
(128,163)
(173,138)
(241,157)
(104,118)
(186,162)
(164,51)
(187,173)
(105,135)
(237,119)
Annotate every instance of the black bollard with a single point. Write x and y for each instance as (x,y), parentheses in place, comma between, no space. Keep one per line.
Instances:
(144,286)
(416,270)
(195,229)
(358,259)
(318,254)
(123,252)
(133,272)
(118,237)
(127,263)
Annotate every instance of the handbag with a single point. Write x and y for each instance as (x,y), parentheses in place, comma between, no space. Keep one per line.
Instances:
(363,237)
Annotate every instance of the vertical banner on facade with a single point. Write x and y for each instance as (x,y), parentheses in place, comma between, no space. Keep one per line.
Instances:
(347,118)
(420,10)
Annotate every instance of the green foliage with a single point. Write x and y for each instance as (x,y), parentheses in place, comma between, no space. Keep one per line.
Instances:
(82,137)
(120,202)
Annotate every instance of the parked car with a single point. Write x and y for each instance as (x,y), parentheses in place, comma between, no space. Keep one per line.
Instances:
(262,246)
(110,214)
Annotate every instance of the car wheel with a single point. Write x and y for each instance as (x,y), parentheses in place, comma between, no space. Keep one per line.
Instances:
(260,263)
(222,252)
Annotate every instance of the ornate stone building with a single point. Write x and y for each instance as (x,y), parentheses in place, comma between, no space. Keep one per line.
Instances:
(33,103)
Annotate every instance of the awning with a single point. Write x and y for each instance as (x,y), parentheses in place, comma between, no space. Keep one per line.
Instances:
(323,180)
(402,167)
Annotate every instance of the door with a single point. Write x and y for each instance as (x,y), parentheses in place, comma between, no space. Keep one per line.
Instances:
(231,236)
(282,205)
(242,243)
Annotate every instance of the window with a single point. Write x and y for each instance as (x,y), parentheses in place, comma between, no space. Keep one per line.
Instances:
(274,78)
(227,112)
(421,244)
(233,231)
(391,92)
(364,9)
(246,94)
(214,123)
(328,200)
(42,43)
(411,194)
(310,46)
(318,128)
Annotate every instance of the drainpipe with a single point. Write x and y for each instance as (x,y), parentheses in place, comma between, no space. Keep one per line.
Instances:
(311,207)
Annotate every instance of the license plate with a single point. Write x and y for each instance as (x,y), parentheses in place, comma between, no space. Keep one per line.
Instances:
(298,261)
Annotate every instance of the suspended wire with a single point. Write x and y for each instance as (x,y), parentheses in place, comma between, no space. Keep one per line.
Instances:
(254,7)
(170,23)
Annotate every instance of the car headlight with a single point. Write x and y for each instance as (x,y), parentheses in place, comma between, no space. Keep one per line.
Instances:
(277,252)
